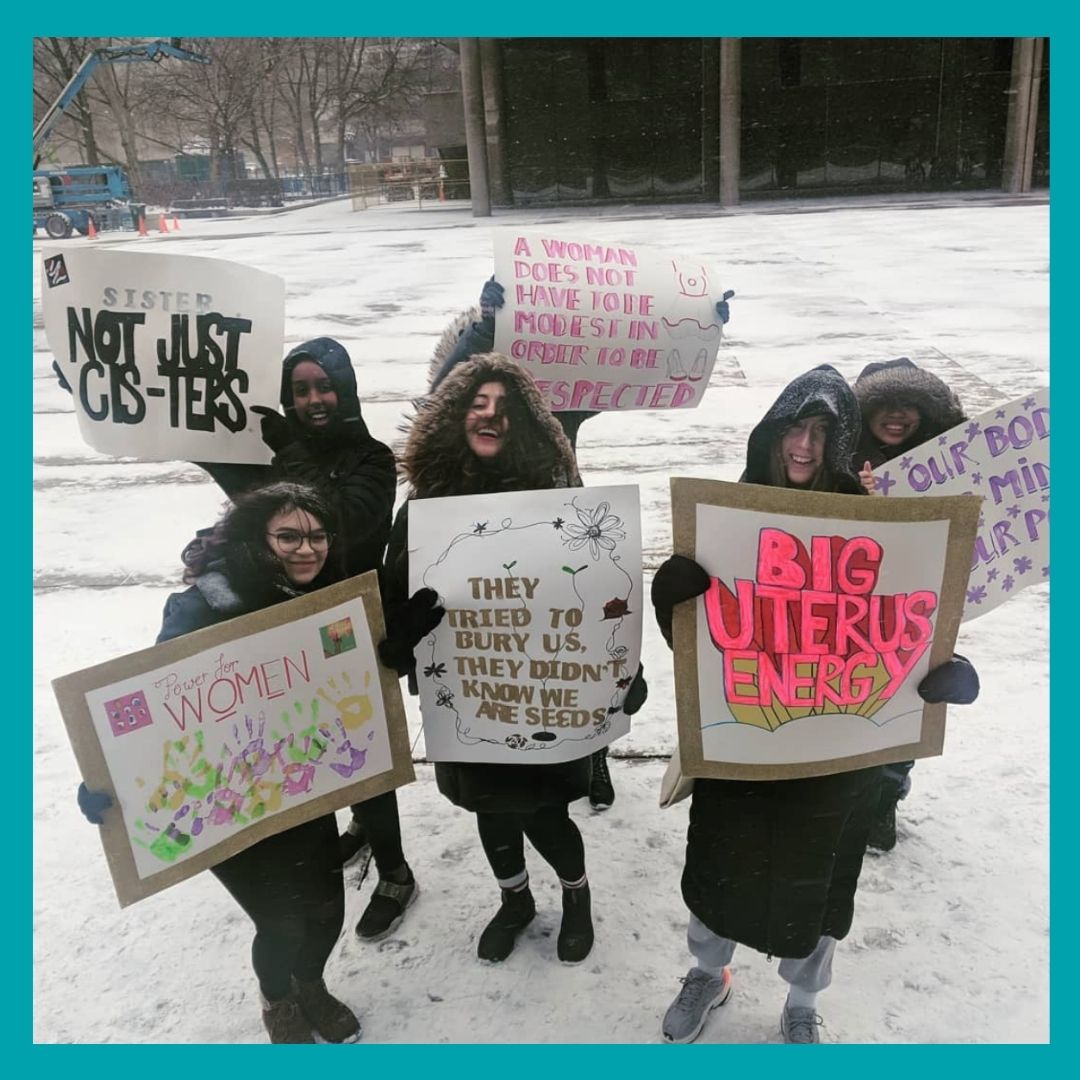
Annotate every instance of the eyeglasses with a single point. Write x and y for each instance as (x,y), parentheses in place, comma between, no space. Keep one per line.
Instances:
(289,540)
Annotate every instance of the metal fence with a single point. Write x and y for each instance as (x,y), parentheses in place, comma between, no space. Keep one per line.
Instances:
(413,181)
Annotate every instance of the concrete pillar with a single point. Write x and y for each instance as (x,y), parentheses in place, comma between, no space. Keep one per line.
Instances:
(495,127)
(730,119)
(1022,116)
(472,95)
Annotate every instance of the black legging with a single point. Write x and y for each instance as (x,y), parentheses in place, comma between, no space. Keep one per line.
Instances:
(549,830)
(382,827)
(290,885)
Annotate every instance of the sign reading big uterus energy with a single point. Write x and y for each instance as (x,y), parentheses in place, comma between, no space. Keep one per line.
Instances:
(1004,456)
(823,614)
(220,738)
(607,326)
(542,633)
(165,354)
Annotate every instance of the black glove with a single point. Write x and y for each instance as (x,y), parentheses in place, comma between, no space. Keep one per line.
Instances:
(722,312)
(955,682)
(636,695)
(93,804)
(276,432)
(60,377)
(407,626)
(678,579)
(492,297)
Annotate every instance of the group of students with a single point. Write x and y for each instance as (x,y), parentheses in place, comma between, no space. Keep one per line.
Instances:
(770,864)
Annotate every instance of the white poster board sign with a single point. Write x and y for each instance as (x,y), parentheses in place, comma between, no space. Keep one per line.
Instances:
(217,739)
(542,633)
(1004,456)
(165,354)
(607,326)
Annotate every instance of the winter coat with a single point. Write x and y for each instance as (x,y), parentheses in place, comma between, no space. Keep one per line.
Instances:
(345,463)
(902,382)
(774,864)
(430,462)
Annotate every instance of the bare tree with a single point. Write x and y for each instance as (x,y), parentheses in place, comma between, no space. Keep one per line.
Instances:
(55,61)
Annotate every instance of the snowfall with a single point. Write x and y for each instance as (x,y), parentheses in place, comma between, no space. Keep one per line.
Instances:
(950,941)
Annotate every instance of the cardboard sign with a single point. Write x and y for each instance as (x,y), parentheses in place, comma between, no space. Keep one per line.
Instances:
(824,614)
(222,737)
(542,633)
(165,354)
(1004,456)
(607,326)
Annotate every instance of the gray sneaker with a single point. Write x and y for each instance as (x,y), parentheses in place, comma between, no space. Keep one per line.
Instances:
(700,994)
(799,1025)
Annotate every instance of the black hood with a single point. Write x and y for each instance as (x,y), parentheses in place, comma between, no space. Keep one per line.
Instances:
(333,358)
(820,392)
(902,382)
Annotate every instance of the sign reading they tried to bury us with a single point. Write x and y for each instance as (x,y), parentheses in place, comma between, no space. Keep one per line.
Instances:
(607,326)
(542,633)
(1004,456)
(165,354)
(220,738)
(823,614)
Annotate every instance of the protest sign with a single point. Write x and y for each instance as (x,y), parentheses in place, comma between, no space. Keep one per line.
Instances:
(823,615)
(165,354)
(1004,456)
(542,633)
(607,326)
(222,737)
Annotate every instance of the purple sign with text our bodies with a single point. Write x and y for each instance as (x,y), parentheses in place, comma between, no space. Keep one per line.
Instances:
(1004,456)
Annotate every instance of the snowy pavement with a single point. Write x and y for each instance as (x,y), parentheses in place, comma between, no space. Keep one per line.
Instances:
(948,928)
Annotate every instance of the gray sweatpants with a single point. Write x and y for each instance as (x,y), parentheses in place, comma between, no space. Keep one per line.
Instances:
(713,953)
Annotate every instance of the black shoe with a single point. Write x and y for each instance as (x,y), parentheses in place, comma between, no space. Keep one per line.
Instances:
(386,908)
(601,792)
(517,910)
(576,933)
(883,829)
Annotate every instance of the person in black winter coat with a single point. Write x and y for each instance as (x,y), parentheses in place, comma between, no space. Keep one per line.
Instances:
(902,407)
(273,545)
(322,440)
(486,429)
(775,864)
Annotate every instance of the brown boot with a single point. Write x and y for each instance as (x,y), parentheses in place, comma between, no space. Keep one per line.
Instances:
(331,1018)
(285,1022)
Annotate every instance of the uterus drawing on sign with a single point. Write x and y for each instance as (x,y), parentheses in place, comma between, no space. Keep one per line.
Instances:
(682,324)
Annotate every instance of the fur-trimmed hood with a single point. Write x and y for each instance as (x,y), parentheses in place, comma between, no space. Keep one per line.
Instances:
(430,460)
(822,391)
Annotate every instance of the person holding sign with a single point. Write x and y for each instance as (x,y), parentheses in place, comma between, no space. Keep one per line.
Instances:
(487,429)
(902,407)
(275,543)
(322,440)
(774,864)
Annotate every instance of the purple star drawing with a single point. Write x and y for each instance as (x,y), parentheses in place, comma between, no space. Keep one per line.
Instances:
(883,483)
(1046,498)
(942,440)
(1029,403)
(1013,511)
(1022,565)
(991,575)
(972,430)
(905,463)
(1000,414)
(977,595)
(1046,571)
(976,478)
(1008,582)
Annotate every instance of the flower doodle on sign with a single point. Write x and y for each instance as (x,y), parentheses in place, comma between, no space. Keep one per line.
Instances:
(598,528)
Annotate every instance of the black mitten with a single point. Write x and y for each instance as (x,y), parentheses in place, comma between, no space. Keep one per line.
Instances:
(93,804)
(723,312)
(276,432)
(638,692)
(492,297)
(678,579)
(955,682)
(407,626)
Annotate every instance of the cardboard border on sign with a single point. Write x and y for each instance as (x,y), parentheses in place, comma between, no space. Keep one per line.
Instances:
(71,690)
(962,514)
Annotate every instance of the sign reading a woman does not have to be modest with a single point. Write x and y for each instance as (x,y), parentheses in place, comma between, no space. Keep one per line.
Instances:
(1004,456)
(220,738)
(607,326)
(542,633)
(165,354)
(823,614)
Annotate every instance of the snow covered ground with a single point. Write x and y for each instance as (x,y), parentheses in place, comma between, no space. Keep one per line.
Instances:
(951,935)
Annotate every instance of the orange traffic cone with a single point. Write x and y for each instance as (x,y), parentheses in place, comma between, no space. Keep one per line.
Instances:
(91,231)
(142,225)
(163,223)
(175,223)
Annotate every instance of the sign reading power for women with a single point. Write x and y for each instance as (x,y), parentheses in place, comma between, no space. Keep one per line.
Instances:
(607,326)
(1003,455)
(165,354)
